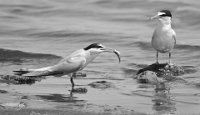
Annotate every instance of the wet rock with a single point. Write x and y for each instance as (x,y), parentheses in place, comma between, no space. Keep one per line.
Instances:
(3,91)
(148,77)
(164,69)
(16,79)
(158,73)
(101,84)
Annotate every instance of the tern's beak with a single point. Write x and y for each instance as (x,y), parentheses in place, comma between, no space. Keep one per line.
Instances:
(112,51)
(156,16)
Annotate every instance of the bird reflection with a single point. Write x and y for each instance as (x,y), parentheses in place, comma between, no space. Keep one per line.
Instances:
(79,90)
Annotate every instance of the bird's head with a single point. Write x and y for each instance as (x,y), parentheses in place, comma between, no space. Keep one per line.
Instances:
(97,48)
(163,14)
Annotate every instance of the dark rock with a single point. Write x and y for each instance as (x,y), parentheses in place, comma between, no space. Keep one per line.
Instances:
(158,73)
(101,84)
(163,69)
(3,91)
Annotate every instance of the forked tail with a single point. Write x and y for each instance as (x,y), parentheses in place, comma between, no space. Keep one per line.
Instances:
(46,71)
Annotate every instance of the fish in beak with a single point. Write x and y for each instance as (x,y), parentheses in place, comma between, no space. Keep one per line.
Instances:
(112,51)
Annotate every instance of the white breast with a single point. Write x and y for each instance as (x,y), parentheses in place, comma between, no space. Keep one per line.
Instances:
(163,39)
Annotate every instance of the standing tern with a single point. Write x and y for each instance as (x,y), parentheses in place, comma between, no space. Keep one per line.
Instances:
(164,37)
(71,64)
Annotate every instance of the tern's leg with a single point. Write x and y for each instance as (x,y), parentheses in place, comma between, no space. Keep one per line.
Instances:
(170,59)
(71,79)
(157,57)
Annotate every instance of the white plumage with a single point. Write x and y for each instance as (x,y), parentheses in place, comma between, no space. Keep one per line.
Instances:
(164,37)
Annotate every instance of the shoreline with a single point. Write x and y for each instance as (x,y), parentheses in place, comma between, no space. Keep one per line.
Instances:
(57,112)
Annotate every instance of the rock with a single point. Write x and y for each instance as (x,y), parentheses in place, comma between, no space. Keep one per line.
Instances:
(3,91)
(148,77)
(163,69)
(158,73)
(101,84)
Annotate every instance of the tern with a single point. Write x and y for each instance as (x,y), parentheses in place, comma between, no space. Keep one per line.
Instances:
(164,37)
(71,64)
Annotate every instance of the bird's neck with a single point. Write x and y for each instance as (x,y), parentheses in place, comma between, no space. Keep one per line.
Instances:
(165,22)
(90,56)
(93,55)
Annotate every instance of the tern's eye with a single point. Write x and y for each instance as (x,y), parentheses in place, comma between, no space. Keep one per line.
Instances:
(99,47)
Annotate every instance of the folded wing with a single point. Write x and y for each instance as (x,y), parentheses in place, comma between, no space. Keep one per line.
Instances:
(65,66)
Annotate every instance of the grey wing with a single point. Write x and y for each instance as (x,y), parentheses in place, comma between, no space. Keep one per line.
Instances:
(65,66)
(154,36)
(70,65)
(174,36)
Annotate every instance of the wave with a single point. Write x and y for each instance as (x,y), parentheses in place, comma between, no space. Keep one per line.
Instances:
(39,33)
(188,47)
(138,4)
(143,45)
(24,6)
(7,55)
(188,17)
(61,36)
(56,34)
(147,46)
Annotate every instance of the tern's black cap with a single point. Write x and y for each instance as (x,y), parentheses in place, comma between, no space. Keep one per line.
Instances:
(94,45)
(167,13)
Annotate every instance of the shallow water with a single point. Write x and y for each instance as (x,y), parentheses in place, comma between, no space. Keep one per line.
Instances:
(60,27)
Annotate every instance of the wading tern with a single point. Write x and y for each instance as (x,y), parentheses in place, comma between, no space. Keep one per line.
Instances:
(71,64)
(164,37)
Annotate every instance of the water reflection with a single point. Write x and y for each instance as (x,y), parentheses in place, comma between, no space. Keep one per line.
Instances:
(64,97)
(162,100)
(78,91)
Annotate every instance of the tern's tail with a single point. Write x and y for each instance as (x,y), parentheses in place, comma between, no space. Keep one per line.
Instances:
(21,71)
(36,72)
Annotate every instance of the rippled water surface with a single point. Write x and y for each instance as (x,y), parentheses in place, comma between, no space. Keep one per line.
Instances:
(51,29)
